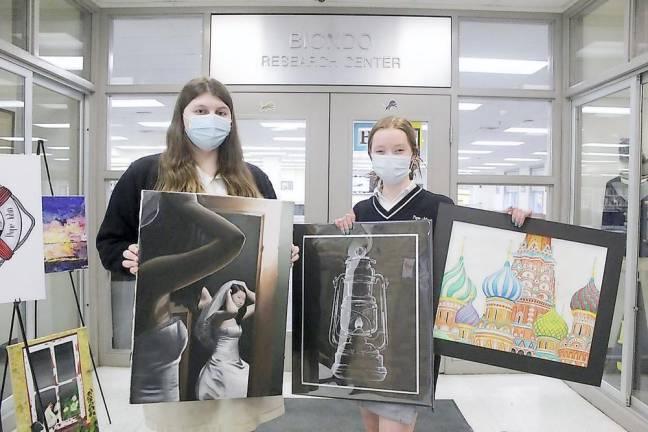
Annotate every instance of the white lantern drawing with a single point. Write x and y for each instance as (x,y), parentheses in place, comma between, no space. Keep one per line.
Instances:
(358,327)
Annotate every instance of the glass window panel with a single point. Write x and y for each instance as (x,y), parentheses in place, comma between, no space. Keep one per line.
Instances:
(506,60)
(603,191)
(597,39)
(363,183)
(64,35)
(501,197)
(122,299)
(641,352)
(12,113)
(161,50)
(13,22)
(278,147)
(56,122)
(641,28)
(504,137)
(137,127)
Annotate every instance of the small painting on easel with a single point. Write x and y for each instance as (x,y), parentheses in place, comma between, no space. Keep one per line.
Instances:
(64,233)
(61,365)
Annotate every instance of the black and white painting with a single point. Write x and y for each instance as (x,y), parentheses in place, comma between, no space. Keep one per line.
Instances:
(211,297)
(362,304)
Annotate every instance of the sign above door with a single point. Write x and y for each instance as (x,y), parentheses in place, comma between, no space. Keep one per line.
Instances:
(331,50)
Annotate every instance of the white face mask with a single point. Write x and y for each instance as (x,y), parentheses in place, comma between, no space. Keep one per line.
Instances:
(391,169)
(207,132)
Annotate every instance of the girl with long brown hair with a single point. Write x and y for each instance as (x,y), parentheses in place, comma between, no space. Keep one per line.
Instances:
(203,155)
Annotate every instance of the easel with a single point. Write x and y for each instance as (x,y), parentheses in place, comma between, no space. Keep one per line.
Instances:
(40,149)
(16,312)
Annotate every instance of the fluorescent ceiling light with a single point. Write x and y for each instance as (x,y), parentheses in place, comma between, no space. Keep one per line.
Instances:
(501,66)
(290,139)
(118,138)
(542,153)
(529,131)
(275,148)
(21,139)
(536,87)
(61,159)
(284,125)
(152,124)
(468,106)
(606,110)
(58,148)
(53,106)
(463,158)
(522,159)
(246,154)
(11,104)
(498,143)
(605,154)
(481,167)
(53,125)
(598,161)
(605,145)
(140,147)
(482,152)
(73,63)
(503,164)
(135,103)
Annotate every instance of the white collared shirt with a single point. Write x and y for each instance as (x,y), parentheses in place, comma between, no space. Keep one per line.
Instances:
(212,185)
(388,204)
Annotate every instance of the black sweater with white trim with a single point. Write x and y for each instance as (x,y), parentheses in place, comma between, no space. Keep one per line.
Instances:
(418,204)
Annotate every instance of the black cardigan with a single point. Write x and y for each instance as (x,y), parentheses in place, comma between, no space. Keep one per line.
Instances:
(119,228)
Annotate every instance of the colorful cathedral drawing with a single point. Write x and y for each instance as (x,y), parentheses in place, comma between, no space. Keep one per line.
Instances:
(520,313)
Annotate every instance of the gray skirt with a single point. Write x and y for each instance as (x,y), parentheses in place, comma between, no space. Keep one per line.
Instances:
(401,413)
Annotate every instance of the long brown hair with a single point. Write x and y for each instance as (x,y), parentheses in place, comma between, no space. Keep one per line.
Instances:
(177,170)
(400,123)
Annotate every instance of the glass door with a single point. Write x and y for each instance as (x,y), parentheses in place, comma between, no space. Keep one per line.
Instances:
(57,124)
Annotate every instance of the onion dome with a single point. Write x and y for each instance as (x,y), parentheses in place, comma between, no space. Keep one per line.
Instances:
(457,285)
(467,315)
(586,298)
(552,325)
(503,284)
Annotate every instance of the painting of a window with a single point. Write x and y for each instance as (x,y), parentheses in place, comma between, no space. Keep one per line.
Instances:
(61,366)
(58,374)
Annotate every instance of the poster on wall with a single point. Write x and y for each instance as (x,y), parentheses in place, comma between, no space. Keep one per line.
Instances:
(62,368)
(64,233)
(211,297)
(21,229)
(361,312)
(538,299)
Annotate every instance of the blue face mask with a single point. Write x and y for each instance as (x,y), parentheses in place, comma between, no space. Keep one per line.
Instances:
(207,132)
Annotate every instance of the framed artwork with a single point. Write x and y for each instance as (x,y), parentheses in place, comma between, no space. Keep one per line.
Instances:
(361,312)
(215,271)
(537,299)
(64,233)
(63,373)
(21,229)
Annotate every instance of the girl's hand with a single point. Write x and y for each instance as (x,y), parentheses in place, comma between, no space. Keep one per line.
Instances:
(294,254)
(518,216)
(131,259)
(345,223)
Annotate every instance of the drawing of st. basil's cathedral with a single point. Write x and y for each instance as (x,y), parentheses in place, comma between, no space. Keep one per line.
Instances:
(520,314)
